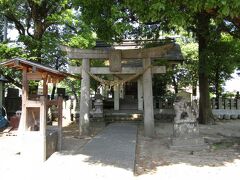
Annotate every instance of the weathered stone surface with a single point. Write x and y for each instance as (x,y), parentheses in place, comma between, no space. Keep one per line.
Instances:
(148,100)
(84,99)
(115,61)
(114,146)
(185,126)
(227,116)
(98,112)
(234,116)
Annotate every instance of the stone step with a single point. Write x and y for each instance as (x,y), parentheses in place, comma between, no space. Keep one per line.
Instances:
(118,116)
(115,119)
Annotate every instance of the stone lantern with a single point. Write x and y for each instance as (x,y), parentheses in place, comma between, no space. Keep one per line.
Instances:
(98,113)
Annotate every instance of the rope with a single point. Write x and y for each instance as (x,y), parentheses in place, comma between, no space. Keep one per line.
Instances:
(118,82)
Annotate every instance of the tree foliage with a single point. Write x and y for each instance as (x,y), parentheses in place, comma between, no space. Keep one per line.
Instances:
(7,53)
(43,25)
(32,18)
(224,58)
(110,19)
(197,17)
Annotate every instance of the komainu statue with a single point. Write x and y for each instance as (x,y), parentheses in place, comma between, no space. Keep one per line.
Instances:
(185,126)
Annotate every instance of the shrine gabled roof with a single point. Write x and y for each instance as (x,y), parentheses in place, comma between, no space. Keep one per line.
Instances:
(20,64)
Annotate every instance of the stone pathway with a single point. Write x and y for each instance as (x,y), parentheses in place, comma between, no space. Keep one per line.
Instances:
(114,146)
(109,155)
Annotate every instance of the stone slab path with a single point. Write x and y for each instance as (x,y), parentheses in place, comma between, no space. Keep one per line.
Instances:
(114,146)
(109,155)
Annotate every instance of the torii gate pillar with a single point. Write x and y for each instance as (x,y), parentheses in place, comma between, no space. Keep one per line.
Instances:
(148,99)
(85,99)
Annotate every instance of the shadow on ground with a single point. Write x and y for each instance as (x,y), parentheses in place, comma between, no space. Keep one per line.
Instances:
(223,140)
(113,146)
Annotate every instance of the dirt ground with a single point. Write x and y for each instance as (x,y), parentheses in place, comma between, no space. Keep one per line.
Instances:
(154,159)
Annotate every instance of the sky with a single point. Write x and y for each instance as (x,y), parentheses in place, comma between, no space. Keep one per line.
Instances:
(233,84)
(12,34)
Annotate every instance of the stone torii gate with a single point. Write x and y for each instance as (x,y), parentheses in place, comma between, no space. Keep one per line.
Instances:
(170,52)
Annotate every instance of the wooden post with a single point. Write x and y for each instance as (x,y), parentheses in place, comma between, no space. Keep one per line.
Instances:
(148,100)
(43,125)
(60,101)
(45,86)
(23,121)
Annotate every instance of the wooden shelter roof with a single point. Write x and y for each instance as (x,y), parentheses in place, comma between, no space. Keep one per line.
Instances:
(37,69)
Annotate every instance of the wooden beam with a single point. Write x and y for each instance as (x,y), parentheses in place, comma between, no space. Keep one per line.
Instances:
(34,76)
(31,103)
(52,102)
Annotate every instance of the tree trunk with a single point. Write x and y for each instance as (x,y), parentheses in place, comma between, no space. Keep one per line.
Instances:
(53,91)
(174,81)
(54,85)
(5,29)
(203,35)
(217,92)
(175,84)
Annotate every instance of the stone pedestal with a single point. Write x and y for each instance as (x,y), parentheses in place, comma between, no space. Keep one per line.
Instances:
(186,136)
(185,127)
